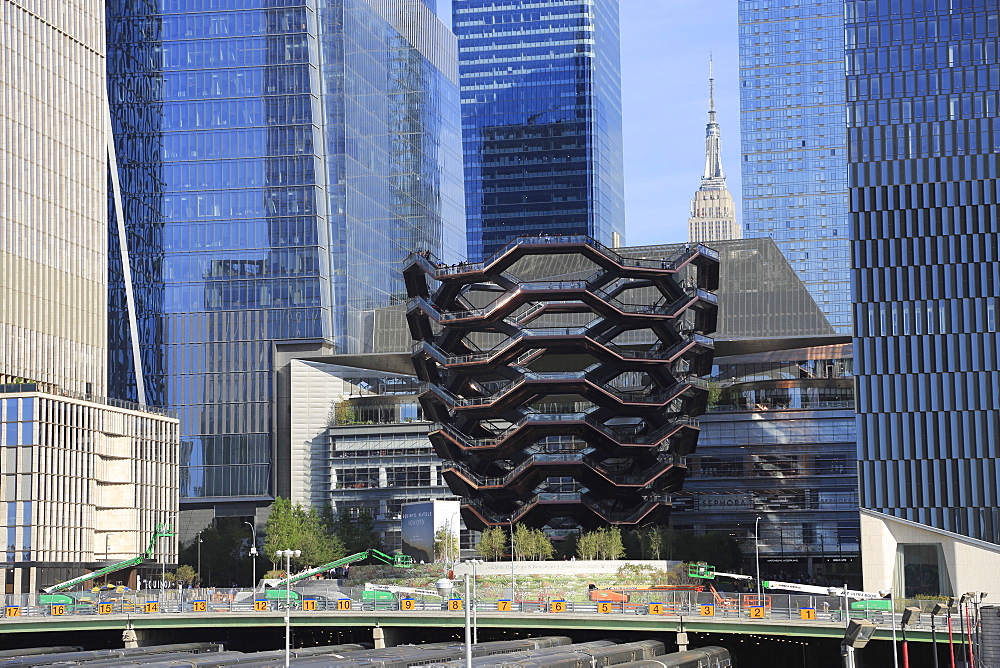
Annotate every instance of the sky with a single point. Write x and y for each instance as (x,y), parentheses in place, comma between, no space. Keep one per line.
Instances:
(665,50)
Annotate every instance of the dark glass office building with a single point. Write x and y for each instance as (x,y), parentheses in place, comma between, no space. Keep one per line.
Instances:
(278,162)
(923,86)
(541,120)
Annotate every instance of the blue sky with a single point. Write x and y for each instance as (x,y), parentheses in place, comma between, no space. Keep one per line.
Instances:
(665,51)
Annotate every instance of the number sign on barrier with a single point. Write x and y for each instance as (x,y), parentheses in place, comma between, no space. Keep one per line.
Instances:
(557,606)
(12,611)
(455,604)
(503,606)
(152,606)
(407,604)
(656,608)
(706,610)
(604,606)
(757,612)
(344,604)
(807,613)
(199,606)
(260,605)
(309,604)
(105,608)
(57,609)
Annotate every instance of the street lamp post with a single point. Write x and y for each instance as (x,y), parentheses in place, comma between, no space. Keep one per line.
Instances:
(512,596)
(253,553)
(199,558)
(474,602)
(756,540)
(287,555)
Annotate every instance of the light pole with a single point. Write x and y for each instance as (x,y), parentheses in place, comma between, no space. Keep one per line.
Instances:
(468,626)
(512,596)
(253,553)
(199,558)
(756,540)
(892,618)
(288,554)
(474,602)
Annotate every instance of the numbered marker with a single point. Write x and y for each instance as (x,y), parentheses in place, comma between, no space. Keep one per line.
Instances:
(105,608)
(455,604)
(199,606)
(503,606)
(757,612)
(807,613)
(12,611)
(656,608)
(57,609)
(706,610)
(260,605)
(557,606)
(604,606)
(344,604)
(407,604)
(309,605)
(152,606)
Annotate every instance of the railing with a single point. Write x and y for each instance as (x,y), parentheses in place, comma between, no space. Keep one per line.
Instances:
(48,388)
(529,598)
(567,458)
(663,264)
(616,434)
(674,392)
(804,404)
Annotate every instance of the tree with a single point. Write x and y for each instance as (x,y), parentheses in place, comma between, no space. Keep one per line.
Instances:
(183,575)
(604,543)
(356,530)
(293,527)
(445,545)
(492,543)
(541,546)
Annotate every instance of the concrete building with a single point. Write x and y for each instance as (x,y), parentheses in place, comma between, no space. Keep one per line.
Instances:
(713,212)
(84,483)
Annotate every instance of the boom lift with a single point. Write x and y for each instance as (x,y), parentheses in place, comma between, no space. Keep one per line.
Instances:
(398,560)
(162,531)
(706,572)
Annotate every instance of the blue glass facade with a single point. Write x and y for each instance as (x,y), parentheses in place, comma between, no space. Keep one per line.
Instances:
(279,160)
(541,120)
(794,144)
(924,136)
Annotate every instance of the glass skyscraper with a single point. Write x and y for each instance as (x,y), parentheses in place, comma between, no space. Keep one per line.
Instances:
(924,136)
(541,120)
(278,161)
(794,143)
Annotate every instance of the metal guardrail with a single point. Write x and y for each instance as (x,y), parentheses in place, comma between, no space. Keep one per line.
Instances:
(731,607)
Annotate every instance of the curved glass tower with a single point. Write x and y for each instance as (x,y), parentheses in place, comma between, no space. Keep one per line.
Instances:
(278,162)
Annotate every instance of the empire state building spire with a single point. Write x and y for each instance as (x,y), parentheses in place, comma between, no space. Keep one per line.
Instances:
(713,212)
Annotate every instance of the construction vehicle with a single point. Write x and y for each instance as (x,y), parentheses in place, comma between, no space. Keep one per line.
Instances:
(706,572)
(624,594)
(379,592)
(820,591)
(51,596)
(397,560)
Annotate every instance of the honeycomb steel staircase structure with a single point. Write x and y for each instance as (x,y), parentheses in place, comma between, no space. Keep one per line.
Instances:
(563,378)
